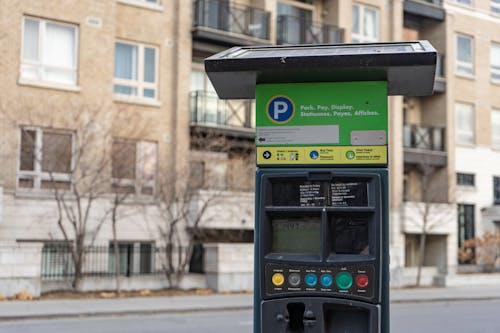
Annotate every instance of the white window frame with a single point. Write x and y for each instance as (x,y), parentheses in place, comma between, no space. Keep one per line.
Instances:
(37,175)
(38,65)
(494,70)
(495,134)
(138,183)
(495,7)
(140,84)
(143,4)
(464,64)
(301,5)
(360,37)
(462,3)
(465,133)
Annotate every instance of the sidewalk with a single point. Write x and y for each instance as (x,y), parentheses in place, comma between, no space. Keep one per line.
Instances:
(20,310)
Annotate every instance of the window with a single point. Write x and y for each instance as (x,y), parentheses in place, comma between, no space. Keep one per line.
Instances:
(197,174)
(364,24)
(465,223)
(204,99)
(134,166)
(294,21)
(497,225)
(133,258)
(57,261)
(45,158)
(464,124)
(464,2)
(495,61)
(466,179)
(145,3)
(136,70)
(495,7)
(496,190)
(49,51)
(495,128)
(464,63)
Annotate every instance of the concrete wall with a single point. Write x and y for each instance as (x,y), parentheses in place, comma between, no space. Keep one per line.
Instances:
(229,266)
(404,277)
(20,266)
(152,282)
(35,218)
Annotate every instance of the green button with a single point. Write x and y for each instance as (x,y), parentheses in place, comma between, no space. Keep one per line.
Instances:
(343,280)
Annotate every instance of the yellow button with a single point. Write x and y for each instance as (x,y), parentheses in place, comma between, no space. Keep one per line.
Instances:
(278,279)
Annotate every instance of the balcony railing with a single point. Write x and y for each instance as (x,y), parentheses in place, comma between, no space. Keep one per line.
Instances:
(208,109)
(426,138)
(228,17)
(294,30)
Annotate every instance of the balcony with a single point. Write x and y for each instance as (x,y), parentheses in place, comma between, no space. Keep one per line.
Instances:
(294,30)
(233,118)
(225,23)
(429,9)
(440,80)
(424,145)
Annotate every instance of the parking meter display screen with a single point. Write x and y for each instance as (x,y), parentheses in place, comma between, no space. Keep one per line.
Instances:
(351,235)
(300,235)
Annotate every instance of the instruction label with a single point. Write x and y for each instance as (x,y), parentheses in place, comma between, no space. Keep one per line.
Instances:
(311,195)
(298,155)
(348,194)
(322,123)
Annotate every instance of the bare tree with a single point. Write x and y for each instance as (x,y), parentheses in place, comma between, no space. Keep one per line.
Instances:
(89,180)
(181,212)
(123,158)
(185,201)
(72,151)
(428,215)
(117,201)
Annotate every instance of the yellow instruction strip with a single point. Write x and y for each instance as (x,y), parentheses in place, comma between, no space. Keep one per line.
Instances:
(322,155)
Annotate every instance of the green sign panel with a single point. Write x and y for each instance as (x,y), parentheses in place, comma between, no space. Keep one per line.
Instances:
(348,120)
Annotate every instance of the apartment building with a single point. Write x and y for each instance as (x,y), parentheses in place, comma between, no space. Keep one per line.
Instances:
(474,33)
(124,81)
(93,104)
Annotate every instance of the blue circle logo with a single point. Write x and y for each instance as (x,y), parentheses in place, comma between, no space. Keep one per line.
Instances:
(314,154)
(280,109)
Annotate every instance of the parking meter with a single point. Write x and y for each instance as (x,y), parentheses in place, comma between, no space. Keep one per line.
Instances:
(321,194)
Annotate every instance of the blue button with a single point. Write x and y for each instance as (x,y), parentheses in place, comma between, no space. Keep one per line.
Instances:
(311,279)
(326,280)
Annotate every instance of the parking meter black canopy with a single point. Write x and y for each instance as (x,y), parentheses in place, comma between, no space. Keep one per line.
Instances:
(408,67)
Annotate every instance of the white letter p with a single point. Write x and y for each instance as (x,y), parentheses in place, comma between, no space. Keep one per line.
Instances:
(279,107)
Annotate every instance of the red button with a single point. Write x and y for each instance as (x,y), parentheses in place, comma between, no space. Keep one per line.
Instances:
(362,281)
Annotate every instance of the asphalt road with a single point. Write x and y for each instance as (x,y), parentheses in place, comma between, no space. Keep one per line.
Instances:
(435,317)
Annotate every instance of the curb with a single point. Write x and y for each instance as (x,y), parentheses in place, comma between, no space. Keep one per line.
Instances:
(120,313)
(446,299)
(207,309)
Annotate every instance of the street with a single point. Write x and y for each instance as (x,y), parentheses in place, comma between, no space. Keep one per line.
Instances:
(428,317)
